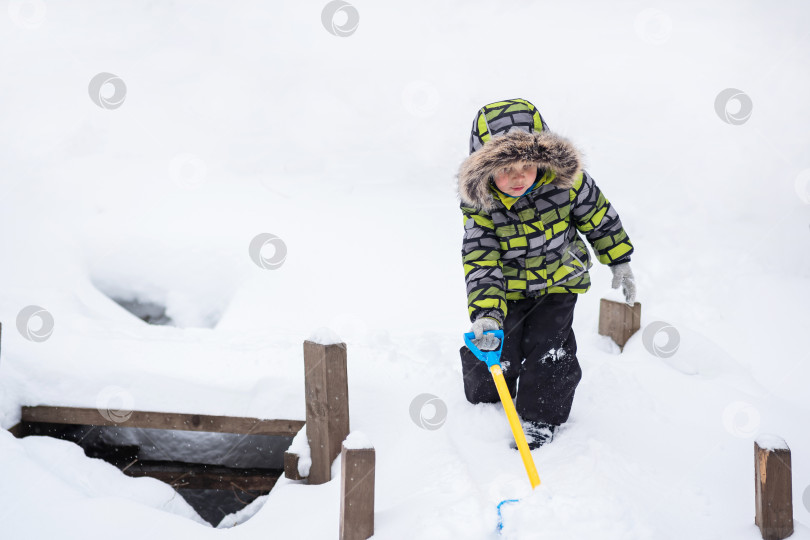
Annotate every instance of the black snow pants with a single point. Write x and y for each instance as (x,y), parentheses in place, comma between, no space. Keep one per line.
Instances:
(540,350)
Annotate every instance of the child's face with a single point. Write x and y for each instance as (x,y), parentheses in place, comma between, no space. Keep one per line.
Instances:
(516,179)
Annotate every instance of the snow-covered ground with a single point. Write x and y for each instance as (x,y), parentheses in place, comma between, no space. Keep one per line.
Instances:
(241,119)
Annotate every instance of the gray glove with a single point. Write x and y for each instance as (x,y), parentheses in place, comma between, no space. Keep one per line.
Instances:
(485,342)
(622,275)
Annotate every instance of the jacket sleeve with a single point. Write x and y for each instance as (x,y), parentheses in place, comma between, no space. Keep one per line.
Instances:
(483,270)
(595,217)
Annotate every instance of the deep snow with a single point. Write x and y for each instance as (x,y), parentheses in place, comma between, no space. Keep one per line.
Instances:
(250,118)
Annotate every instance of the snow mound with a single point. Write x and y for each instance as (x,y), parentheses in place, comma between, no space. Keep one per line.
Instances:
(324,336)
(357,440)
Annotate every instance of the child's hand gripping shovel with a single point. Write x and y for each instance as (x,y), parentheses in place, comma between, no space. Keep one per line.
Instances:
(493,361)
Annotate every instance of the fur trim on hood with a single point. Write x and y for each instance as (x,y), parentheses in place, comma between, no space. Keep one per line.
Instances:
(544,149)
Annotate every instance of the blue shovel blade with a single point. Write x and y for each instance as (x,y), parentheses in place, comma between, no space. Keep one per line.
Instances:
(490,358)
(500,516)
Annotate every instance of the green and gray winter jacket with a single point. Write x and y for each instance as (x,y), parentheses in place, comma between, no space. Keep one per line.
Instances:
(528,246)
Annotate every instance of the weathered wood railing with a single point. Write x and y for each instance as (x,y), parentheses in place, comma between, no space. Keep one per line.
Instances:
(327,427)
(46,420)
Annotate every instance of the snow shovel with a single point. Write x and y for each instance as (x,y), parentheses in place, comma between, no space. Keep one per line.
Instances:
(493,361)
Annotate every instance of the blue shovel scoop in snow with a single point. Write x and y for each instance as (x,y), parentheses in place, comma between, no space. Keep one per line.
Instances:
(493,361)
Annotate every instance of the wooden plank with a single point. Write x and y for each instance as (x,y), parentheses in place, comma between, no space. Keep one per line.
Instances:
(291,466)
(773,485)
(162,420)
(357,493)
(619,321)
(327,405)
(200,476)
(18,430)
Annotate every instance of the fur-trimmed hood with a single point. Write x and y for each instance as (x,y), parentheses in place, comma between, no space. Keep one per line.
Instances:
(544,149)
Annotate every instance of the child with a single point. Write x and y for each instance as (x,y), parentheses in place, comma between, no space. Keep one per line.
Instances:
(524,196)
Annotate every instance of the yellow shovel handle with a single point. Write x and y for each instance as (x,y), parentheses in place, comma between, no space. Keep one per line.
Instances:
(514,423)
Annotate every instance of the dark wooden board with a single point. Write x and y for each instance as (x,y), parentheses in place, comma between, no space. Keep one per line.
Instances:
(162,420)
(291,466)
(199,476)
(18,430)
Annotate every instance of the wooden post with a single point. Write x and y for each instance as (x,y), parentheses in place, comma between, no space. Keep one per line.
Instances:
(618,320)
(357,493)
(327,404)
(774,491)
